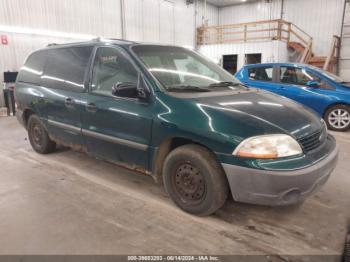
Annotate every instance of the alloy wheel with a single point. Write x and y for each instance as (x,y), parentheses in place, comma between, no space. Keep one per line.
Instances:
(339,118)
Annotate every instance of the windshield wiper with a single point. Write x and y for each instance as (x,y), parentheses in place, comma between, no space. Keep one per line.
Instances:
(189,88)
(226,84)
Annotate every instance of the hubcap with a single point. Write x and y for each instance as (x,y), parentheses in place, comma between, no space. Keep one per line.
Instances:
(37,135)
(189,183)
(339,118)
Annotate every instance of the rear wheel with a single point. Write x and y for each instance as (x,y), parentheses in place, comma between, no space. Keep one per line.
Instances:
(38,136)
(338,118)
(194,180)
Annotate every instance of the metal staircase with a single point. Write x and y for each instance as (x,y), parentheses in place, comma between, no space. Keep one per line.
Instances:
(306,56)
(299,42)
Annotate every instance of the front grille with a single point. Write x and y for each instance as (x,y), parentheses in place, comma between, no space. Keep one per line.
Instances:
(313,141)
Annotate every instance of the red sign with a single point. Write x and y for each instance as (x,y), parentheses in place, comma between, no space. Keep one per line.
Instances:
(4,40)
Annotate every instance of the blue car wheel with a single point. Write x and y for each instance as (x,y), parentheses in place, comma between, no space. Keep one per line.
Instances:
(338,118)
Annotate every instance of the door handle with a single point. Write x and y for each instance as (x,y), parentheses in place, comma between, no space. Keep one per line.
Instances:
(69,102)
(91,107)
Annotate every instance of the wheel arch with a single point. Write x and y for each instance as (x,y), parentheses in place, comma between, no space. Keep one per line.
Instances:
(165,147)
(334,104)
(26,114)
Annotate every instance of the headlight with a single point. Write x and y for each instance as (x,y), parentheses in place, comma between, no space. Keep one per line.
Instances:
(268,146)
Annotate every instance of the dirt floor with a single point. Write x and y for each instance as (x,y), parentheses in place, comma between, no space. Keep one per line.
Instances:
(70,203)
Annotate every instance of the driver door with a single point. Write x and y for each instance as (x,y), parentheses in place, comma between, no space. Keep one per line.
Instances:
(116,128)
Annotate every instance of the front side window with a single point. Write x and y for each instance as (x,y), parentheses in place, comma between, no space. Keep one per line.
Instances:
(111,66)
(65,68)
(295,75)
(333,77)
(261,73)
(299,76)
(177,67)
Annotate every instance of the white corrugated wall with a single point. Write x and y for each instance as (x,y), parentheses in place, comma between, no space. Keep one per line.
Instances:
(87,18)
(250,12)
(319,18)
(344,65)
(160,21)
(272,51)
(96,17)
(211,14)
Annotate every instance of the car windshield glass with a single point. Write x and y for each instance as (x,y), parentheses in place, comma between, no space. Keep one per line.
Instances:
(179,68)
(329,75)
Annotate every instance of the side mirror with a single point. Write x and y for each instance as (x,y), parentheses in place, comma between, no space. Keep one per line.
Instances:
(125,89)
(143,91)
(313,84)
(132,90)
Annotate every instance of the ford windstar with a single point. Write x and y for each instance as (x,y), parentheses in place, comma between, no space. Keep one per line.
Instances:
(169,112)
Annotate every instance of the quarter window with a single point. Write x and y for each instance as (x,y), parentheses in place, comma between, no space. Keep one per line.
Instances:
(65,68)
(111,66)
(33,68)
(260,73)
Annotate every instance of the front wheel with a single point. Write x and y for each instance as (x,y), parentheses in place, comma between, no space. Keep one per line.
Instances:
(195,180)
(338,118)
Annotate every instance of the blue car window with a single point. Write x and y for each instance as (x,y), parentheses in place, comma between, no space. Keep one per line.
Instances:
(299,76)
(260,73)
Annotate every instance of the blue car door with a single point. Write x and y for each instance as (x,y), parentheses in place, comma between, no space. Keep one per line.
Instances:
(293,84)
(261,76)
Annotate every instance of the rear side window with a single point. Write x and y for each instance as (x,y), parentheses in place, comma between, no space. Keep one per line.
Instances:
(260,73)
(33,68)
(65,68)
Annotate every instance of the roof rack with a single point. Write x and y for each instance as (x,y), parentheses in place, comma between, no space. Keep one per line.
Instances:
(51,44)
(97,39)
(101,39)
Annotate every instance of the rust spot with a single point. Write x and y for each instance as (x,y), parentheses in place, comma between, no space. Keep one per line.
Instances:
(83,149)
(134,168)
(75,147)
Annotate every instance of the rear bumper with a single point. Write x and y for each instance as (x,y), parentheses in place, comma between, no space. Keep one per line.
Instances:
(282,187)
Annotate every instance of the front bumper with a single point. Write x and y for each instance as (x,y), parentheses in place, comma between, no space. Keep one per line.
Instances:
(282,187)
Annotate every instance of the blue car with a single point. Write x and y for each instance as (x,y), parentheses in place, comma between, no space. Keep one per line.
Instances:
(325,93)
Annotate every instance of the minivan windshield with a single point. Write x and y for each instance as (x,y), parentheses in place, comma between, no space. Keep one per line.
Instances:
(180,69)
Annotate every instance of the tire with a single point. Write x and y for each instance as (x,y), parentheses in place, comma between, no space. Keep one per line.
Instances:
(338,118)
(38,136)
(346,256)
(194,180)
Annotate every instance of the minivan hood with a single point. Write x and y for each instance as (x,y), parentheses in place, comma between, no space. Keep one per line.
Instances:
(267,108)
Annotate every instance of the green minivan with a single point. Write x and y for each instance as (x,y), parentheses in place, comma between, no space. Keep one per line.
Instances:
(168,112)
